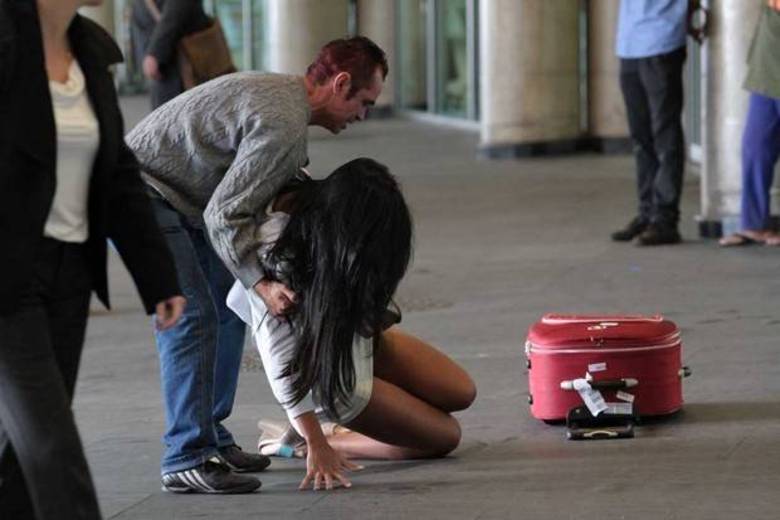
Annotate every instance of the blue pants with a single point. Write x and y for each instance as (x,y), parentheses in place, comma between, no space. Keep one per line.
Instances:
(760,150)
(200,357)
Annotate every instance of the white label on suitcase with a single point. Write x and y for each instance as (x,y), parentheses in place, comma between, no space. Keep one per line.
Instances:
(597,367)
(619,409)
(592,398)
(625,396)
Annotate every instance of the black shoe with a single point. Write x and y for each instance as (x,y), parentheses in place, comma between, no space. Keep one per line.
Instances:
(656,235)
(242,462)
(209,477)
(631,231)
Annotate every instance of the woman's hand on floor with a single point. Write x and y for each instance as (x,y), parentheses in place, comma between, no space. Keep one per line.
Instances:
(325,466)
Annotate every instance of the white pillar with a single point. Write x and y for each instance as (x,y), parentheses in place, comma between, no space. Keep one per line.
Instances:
(529,77)
(376,20)
(298,28)
(732,23)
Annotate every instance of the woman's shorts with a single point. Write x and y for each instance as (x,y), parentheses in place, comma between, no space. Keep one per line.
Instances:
(275,341)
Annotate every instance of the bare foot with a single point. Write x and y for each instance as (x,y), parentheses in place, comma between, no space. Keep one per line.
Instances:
(744,238)
(772,239)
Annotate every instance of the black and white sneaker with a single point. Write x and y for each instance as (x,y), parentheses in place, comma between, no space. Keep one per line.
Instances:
(242,462)
(209,477)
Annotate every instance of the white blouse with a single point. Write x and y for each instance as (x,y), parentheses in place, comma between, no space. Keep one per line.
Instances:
(78,138)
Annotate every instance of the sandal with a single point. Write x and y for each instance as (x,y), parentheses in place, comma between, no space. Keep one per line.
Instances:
(280,440)
(741,239)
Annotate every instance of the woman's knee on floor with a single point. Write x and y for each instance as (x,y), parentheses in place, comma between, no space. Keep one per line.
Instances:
(441,446)
(462,396)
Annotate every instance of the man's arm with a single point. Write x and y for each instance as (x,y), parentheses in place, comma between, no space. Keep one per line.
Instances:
(697,31)
(169,29)
(267,159)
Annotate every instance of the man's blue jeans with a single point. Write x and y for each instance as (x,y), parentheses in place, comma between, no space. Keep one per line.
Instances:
(200,357)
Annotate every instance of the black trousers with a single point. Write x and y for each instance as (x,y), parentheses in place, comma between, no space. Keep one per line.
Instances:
(163,90)
(653,92)
(43,472)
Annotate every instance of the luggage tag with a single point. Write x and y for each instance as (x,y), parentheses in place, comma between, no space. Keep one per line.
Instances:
(591,397)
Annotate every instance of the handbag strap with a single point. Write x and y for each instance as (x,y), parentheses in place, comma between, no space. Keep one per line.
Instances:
(151,6)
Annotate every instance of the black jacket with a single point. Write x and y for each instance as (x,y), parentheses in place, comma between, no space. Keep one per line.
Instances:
(118,206)
(161,40)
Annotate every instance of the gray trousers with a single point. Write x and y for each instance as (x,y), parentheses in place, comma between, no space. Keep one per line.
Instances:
(43,472)
(653,92)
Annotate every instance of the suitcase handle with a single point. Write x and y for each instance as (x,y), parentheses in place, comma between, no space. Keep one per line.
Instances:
(567,319)
(606,384)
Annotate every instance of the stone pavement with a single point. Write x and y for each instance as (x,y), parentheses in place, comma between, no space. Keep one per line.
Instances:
(498,243)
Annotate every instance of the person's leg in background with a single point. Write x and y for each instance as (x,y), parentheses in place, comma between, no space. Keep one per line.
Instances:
(662,77)
(760,148)
(640,127)
(43,471)
(168,87)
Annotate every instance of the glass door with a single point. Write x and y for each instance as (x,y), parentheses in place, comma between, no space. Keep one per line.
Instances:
(231,16)
(412,56)
(437,56)
(693,101)
(452,75)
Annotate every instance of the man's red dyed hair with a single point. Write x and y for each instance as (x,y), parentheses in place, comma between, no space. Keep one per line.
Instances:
(358,56)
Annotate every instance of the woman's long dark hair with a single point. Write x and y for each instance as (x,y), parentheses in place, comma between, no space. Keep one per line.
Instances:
(345,249)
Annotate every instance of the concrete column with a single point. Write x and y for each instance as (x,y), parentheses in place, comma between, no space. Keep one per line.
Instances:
(732,23)
(298,28)
(529,76)
(102,14)
(376,20)
(607,122)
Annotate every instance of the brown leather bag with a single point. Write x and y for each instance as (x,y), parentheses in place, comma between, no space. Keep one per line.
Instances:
(203,55)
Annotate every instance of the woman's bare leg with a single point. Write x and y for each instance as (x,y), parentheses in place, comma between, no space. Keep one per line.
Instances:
(415,386)
(423,371)
(397,425)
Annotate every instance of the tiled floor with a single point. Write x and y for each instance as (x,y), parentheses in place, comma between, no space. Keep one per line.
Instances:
(497,244)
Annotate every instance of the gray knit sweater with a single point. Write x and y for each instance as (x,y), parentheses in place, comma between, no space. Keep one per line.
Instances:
(220,152)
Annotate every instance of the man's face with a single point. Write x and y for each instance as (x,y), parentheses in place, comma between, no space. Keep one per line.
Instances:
(343,109)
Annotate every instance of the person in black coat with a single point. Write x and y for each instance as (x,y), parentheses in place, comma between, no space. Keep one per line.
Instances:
(156,28)
(67,183)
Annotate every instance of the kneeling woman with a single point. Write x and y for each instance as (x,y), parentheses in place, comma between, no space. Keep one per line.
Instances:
(342,245)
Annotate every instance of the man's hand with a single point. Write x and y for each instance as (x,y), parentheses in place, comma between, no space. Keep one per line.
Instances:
(279,299)
(774,4)
(151,68)
(169,311)
(698,21)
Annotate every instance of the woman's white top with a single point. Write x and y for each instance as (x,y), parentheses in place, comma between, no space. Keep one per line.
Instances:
(275,340)
(78,138)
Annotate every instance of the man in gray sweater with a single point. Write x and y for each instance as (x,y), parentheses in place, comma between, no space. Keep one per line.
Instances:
(214,158)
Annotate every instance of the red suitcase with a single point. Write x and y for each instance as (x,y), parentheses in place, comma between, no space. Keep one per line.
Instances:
(562,348)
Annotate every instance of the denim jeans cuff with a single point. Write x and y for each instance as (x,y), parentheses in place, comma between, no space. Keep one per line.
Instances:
(225,438)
